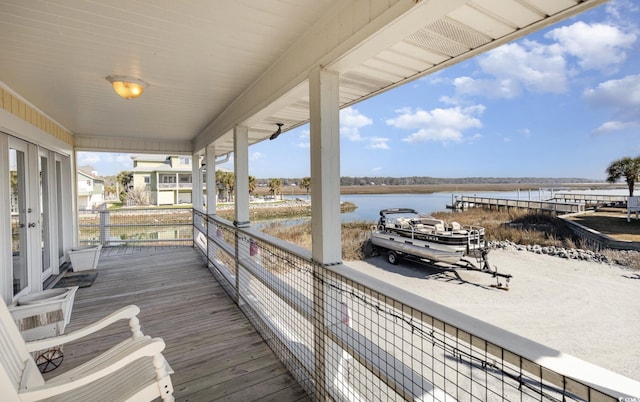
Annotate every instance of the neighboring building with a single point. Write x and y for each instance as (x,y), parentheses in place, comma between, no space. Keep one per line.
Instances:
(166,178)
(90,188)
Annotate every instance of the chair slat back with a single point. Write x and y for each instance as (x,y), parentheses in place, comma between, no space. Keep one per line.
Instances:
(14,355)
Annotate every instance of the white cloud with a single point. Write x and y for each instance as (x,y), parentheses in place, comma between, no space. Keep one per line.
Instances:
(529,64)
(611,126)
(378,143)
(618,8)
(90,158)
(105,163)
(525,132)
(434,79)
(596,46)
(441,125)
(350,133)
(304,137)
(474,138)
(492,88)
(621,95)
(510,70)
(123,159)
(448,100)
(256,156)
(351,121)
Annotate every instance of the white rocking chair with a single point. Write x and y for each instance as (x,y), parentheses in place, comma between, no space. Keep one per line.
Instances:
(134,369)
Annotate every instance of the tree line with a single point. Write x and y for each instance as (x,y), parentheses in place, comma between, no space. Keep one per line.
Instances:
(423,180)
(627,168)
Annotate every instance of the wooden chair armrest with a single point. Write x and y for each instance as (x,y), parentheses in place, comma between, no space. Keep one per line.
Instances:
(126,313)
(109,362)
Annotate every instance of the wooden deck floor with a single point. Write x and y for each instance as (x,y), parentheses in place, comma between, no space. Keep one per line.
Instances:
(214,350)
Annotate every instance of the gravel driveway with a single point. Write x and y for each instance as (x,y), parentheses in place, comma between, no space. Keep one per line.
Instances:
(586,309)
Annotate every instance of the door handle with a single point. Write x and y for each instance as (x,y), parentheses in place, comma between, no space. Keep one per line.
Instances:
(21,225)
(32,225)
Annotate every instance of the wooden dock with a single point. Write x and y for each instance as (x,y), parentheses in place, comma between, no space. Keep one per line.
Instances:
(590,199)
(464,202)
(215,352)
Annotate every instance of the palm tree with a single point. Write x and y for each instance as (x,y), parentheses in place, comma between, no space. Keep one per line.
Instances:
(230,182)
(305,183)
(274,186)
(225,182)
(110,190)
(252,184)
(124,178)
(627,167)
(13,179)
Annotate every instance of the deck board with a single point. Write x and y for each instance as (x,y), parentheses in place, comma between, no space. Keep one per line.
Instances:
(215,351)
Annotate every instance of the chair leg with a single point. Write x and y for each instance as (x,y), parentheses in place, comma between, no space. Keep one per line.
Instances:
(164,380)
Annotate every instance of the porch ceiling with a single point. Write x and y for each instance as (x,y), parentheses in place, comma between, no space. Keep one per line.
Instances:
(214,64)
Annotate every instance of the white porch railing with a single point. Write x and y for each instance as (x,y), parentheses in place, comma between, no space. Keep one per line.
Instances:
(347,336)
(151,226)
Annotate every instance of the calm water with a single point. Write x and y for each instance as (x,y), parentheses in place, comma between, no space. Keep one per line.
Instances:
(369,205)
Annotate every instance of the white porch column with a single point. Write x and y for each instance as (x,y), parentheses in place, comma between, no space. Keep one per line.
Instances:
(212,188)
(157,188)
(326,245)
(241,169)
(241,200)
(196,182)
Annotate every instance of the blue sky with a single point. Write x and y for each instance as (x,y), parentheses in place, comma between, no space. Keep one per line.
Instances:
(563,102)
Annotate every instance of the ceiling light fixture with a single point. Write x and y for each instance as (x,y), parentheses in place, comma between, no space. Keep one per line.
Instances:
(278,131)
(126,87)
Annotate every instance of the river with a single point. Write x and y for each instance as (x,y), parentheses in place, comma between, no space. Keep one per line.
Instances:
(369,205)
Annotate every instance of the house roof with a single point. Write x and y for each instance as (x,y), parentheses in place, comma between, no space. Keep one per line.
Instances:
(87,172)
(214,64)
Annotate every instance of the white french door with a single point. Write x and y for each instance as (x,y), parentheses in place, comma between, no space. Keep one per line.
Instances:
(24,216)
(37,215)
(46,216)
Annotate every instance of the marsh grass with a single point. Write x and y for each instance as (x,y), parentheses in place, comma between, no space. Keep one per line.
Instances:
(626,258)
(354,234)
(517,225)
(279,210)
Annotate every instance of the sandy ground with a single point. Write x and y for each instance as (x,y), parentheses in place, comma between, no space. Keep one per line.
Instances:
(588,310)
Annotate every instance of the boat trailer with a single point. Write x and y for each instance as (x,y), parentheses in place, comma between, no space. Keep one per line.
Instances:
(481,265)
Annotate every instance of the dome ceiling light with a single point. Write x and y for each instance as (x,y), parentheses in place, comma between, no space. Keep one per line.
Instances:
(126,87)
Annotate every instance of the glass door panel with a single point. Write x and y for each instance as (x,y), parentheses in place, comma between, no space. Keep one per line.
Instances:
(45,217)
(59,203)
(18,211)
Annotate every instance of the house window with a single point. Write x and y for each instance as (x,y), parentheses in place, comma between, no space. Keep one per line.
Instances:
(147,179)
(185,160)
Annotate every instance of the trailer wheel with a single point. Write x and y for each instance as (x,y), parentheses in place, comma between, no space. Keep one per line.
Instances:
(393,257)
(368,249)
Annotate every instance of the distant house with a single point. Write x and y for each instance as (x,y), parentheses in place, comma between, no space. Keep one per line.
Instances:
(90,188)
(167,179)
